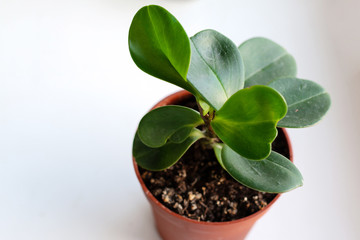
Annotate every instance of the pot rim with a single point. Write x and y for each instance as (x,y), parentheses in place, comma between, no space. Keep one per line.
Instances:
(171,98)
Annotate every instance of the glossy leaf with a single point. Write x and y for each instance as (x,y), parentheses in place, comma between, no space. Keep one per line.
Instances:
(247,121)
(265,61)
(158,125)
(157,159)
(217,150)
(216,70)
(204,106)
(181,134)
(160,46)
(307,101)
(275,174)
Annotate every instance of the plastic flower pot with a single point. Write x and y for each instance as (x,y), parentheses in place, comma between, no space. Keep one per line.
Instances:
(172,226)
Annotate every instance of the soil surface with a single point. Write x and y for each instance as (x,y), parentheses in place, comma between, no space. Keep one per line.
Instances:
(199,188)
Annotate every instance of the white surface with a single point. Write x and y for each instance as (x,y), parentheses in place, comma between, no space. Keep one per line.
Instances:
(71,97)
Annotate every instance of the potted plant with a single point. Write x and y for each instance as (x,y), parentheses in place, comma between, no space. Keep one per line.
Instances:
(237,101)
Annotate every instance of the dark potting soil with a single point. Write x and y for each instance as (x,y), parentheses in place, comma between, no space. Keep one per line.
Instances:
(199,188)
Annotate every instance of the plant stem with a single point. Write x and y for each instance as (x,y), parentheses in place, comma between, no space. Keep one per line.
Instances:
(209,132)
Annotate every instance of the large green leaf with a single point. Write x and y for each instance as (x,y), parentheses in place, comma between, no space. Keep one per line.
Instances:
(158,125)
(265,61)
(274,174)
(247,121)
(157,159)
(159,45)
(307,101)
(216,70)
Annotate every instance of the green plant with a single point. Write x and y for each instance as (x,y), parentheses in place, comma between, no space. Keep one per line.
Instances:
(243,94)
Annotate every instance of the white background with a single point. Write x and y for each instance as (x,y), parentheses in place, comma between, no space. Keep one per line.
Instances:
(71,98)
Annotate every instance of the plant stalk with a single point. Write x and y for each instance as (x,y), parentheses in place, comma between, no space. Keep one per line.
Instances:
(207,118)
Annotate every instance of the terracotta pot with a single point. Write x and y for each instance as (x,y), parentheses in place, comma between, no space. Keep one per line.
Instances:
(172,226)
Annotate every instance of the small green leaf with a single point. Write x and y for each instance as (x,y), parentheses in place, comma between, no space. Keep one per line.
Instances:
(247,121)
(216,70)
(265,61)
(158,125)
(217,150)
(275,174)
(156,159)
(307,101)
(205,107)
(160,46)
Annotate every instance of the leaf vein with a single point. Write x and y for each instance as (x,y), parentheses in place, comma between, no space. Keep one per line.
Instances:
(164,51)
(266,66)
(306,99)
(212,70)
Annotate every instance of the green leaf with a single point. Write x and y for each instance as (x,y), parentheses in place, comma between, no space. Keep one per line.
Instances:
(307,101)
(157,159)
(216,70)
(159,45)
(275,174)
(265,61)
(158,125)
(180,135)
(217,150)
(205,107)
(247,121)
